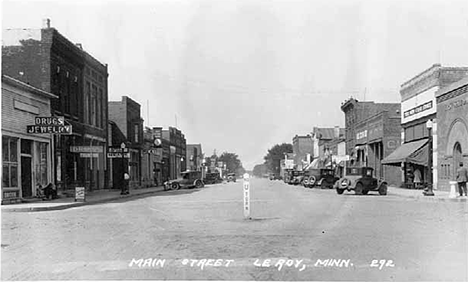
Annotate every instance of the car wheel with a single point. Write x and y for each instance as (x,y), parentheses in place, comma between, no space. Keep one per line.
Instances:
(359,188)
(312,181)
(323,185)
(364,192)
(339,191)
(198,184)
(383,189)
(175,186)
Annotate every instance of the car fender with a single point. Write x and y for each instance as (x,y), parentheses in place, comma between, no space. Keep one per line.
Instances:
(320,182)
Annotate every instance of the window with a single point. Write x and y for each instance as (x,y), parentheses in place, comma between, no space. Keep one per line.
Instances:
(93,105)
(136,126)
(86,107)
(10,162)
(102,107)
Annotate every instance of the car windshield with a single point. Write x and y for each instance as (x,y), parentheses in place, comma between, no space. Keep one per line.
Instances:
(186,175)
(353,171)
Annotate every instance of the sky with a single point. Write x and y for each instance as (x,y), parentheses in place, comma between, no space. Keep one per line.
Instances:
(242,76)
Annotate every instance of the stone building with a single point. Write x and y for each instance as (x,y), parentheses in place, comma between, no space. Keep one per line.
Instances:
(419,123)
(27,159)
(47,60)
(452,133)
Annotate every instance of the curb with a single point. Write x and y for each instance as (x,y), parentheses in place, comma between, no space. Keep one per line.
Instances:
(427,198)
(78,204)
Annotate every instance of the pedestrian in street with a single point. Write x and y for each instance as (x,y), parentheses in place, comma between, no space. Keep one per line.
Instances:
(125,185)
(462,178)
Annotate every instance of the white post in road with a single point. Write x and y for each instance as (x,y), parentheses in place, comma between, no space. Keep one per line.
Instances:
(246,193)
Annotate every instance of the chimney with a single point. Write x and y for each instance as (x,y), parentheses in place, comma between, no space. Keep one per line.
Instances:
(79,46)
(46,23)
(337,132)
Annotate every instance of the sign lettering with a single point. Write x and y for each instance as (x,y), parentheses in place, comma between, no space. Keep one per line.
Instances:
(118,155)
(418,109)
(86,149)
(456,104)
(54,129)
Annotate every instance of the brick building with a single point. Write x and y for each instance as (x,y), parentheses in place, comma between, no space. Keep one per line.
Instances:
(128,128)
(302,150)
(194,157)
(376,138)
(418,110)
(177,151)
(452,133)
(323,138)
(355,112)
(47,60)
(27,158)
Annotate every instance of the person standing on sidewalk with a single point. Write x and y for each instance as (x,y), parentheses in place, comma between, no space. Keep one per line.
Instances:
(125,185)
(462,178)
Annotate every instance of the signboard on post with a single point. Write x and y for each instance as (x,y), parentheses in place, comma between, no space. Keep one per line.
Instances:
(80,194)
(112,155)
(246,193)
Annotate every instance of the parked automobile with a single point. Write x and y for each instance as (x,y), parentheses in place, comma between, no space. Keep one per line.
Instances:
(274,176)
(188,179)
(212,178)
(231,177)
(298,177)
(292,177)
(361,180)
(323,177)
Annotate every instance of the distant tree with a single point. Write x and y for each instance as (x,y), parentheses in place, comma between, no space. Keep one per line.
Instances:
(233,164)
(259,170)
(275,155)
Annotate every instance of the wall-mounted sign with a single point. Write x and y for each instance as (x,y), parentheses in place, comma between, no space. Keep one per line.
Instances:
(49,120)
(362,134)
(118,155)
(51,129)
(86,149)
(117,150)
(418,109)
(89,155)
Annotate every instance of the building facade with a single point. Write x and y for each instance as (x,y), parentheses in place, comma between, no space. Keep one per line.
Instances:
(376,138)
(152,156)
(323,138)
(420,125)
(194,157)
(355,112)
(302,150)
(47,60)
(27,159)
(452,133)
(177,151)
(129,125)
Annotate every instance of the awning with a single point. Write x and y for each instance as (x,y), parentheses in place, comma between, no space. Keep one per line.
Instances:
(412,152)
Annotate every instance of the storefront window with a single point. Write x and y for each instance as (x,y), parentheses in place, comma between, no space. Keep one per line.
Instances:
(10,162)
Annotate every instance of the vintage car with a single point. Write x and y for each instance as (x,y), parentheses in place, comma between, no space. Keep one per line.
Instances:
(231,177)
(188,179)
(298,178)
(274,176)
(361,180)
(323,177)
(212,178)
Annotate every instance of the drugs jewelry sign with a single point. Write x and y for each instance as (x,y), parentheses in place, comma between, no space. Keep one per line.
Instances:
(51,125)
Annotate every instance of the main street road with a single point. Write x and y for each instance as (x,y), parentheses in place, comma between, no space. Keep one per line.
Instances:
(295,234)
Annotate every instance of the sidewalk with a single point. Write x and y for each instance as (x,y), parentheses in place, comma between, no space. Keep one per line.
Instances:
(95,197)
(418,194)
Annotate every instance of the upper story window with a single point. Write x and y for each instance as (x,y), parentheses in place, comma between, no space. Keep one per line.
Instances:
(136,132)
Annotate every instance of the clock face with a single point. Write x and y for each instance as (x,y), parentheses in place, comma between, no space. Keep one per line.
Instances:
(157,142)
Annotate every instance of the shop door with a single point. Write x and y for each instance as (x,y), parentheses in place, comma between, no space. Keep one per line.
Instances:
(457,157)
(26,179)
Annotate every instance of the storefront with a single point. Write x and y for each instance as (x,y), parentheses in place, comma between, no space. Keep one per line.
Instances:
(452,116)
(26,157)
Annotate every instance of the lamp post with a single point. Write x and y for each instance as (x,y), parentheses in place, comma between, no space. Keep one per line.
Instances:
(429,189)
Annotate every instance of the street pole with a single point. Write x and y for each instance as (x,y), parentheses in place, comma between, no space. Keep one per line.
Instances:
(246,192)
(429,190)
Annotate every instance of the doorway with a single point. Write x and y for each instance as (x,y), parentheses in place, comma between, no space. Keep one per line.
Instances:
(26,179)
(457,157)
